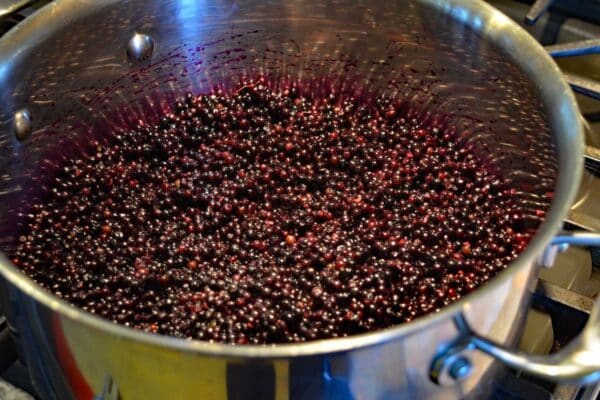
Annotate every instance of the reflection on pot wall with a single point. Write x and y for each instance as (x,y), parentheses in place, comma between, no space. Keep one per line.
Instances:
(82,83)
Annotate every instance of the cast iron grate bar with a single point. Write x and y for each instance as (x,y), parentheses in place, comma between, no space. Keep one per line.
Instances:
(577,48)
(537,10)
(584,86)
(9,7)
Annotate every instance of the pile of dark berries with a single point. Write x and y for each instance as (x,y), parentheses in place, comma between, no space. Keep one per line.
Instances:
(265,216)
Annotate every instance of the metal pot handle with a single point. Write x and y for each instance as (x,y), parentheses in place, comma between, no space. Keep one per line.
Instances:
(578,362)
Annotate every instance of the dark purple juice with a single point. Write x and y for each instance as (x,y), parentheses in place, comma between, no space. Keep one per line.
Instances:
(265,216)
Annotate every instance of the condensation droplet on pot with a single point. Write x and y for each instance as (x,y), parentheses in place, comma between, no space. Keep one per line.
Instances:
(22,120)
(140,47)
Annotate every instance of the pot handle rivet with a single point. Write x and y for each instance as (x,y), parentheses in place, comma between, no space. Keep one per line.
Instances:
(22,120)
(460,369)
(140,47)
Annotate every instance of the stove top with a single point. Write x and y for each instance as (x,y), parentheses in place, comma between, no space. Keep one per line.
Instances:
(570,30)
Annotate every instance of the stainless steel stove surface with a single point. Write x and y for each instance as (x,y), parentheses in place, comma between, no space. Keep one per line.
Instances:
(564,297)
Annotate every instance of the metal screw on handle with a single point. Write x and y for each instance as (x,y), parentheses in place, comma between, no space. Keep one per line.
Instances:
(460,369)
(577,362)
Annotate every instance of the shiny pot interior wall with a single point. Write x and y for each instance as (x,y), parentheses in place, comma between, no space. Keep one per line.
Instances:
(77,81)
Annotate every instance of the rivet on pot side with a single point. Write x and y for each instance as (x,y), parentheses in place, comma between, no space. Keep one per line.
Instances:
(140,47)
(22,120)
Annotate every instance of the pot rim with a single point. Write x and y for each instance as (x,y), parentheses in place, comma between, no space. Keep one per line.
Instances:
(492,25)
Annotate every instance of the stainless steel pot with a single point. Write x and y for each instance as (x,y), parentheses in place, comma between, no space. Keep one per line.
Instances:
(78,67)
